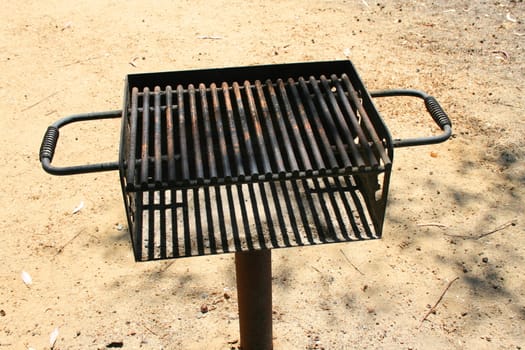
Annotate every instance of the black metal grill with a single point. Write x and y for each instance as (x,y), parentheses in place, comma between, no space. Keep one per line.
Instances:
(250,158)
(229,166)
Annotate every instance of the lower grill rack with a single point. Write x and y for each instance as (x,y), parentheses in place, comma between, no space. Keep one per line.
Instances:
(220,219)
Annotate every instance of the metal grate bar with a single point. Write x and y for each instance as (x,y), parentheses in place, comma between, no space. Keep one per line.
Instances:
(130,174)
(182,134)
(245,217)
(257,218)
(144,173)
(196,151)
(210,221)
(170,145)
(220,131)
(162,221)
(157,136)
(174,219)
(210,151)
(198,224)
(150,243)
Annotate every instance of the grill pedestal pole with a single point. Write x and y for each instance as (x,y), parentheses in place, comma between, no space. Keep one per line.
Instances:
(254,294)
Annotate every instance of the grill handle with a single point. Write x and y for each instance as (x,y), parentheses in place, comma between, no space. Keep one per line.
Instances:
(49,143)
(434,109)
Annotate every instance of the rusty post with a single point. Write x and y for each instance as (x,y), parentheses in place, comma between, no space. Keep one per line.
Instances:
(254,294)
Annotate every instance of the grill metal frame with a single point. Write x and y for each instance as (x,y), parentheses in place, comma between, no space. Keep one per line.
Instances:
(176,218)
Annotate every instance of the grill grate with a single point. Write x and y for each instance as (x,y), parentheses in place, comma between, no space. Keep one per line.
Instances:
(205,135)
(227,161)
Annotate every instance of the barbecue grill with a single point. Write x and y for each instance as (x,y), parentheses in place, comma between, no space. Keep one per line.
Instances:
(249,159)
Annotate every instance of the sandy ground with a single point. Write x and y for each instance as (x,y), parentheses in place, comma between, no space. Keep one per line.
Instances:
(455,209)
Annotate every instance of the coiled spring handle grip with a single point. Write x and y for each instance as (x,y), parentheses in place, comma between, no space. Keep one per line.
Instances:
(50,140)
(434,109)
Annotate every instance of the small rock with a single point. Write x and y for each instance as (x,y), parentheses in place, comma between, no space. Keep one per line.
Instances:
(115,344)
(204,308)
(2,313)
(485,260)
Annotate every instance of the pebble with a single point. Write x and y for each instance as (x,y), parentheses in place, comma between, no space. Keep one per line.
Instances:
(115,344)
(204,308)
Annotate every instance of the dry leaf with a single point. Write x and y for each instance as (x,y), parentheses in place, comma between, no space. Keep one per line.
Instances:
(26,278)
(53,337)
(78,207)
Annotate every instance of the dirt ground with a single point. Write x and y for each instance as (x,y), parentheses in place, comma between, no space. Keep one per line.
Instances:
(453,237)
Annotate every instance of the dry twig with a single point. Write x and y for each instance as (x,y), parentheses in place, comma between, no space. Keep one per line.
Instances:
(167,266)
(147,328)
(432,224)
(355,267)
(68,242)
(85,60)
(499,228)
(503,54)
(211,37)
(433,308)
(316,269)
(39,102)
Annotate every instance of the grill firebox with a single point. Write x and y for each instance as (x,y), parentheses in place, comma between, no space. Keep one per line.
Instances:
(260,162)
